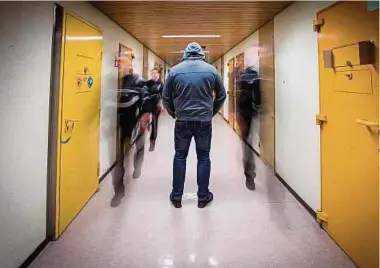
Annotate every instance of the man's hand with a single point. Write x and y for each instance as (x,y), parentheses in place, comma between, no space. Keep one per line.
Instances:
(159,108)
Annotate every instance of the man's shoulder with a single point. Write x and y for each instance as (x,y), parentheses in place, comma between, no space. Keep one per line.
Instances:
(177,67)
(188,66)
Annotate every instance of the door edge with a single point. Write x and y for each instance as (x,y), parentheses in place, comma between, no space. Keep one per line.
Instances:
(53,132)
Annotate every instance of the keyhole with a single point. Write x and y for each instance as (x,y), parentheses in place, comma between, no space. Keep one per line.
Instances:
(349,76)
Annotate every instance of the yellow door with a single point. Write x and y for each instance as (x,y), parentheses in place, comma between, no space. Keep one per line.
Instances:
(125,60)
(349,106)
(231,92)
(145,62)
(78,150)
(266,34)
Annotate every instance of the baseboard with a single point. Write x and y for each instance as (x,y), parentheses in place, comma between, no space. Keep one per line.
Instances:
(253,149)
(299,199)
(224,118)
(44,243)
(34,254)
(287,186)
(107,172)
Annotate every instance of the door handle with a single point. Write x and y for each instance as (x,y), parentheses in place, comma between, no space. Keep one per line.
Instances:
(69,125)
(367,123)
(66,140)
(68,128)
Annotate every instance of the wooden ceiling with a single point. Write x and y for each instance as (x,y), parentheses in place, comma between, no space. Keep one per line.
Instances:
(148,21)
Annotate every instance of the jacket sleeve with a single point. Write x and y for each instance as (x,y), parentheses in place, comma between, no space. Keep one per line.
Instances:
(220,94)
(138,81)
(157,88)
(167,95)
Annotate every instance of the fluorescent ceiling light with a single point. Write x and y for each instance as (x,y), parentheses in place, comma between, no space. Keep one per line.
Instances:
(83,38)
(182,51)
(192,36)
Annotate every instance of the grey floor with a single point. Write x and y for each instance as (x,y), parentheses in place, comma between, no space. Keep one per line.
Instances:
(241,229)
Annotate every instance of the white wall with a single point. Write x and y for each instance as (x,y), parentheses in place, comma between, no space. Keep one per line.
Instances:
(25,55)
(250,47)
(297,137)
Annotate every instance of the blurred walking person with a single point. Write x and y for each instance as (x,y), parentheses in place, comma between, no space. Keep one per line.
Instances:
(156,88)
(249,102)
(133,120)
(188,97)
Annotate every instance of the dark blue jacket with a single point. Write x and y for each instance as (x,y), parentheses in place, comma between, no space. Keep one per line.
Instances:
(188,90)
(248,83)
(137,97)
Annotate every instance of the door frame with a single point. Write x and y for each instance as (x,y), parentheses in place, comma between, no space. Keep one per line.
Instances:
(57,50)
(273,168)
(122,46)
(53,132)
(230,93)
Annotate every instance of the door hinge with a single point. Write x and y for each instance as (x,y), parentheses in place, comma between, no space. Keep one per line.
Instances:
(322,217)
(320,119)
(317,24)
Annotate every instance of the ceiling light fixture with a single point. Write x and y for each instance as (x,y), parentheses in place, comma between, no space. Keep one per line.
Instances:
(182,51)
(192,36)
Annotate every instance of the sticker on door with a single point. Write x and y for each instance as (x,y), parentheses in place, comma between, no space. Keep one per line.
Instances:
(89,82)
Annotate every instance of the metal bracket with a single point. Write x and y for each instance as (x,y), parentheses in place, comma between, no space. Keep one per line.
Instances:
(320,119)
(321,217)
(317,24)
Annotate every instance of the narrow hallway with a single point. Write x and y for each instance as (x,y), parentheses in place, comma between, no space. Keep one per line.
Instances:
(240,229)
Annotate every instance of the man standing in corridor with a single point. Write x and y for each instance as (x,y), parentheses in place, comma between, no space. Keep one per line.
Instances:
(188,97)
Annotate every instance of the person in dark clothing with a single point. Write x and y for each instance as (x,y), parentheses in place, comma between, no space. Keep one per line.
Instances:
(188,97)
(134,110)
(248,107)
(156,88)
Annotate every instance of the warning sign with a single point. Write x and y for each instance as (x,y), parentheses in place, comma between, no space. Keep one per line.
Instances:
(79,82)
(89,82)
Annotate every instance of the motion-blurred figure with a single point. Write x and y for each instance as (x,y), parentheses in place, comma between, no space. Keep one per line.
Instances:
(188,98)
(155,88)
(249,102)
(134,111)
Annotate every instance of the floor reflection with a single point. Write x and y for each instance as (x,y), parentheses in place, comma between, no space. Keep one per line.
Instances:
(241,228)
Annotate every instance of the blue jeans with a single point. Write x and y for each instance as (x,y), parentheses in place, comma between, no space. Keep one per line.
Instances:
(184,132)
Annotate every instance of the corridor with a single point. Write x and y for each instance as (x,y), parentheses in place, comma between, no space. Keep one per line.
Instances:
(78,77)
(240,229)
